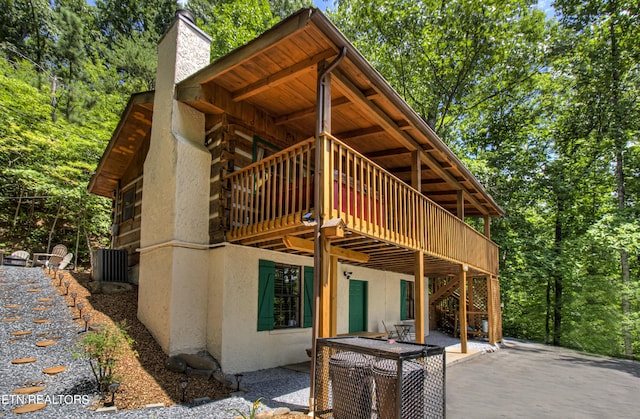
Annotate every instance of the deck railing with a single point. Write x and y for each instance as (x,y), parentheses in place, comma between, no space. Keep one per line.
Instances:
(277,192)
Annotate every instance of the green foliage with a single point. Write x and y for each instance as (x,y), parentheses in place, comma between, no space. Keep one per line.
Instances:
(252,412)
(44,165)
(102,349)
(232,23)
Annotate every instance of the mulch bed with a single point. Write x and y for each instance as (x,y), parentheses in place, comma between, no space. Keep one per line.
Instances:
(143,378)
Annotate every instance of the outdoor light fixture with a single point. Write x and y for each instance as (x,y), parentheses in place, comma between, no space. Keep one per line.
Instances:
(238,378)
(66,286)
(80,305)
(60,275)
(183,385)
(86,318)
(308,220)
(113,387)
(74,295)
(347,274)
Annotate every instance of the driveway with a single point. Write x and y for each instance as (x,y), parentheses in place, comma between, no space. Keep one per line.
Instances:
(527,380)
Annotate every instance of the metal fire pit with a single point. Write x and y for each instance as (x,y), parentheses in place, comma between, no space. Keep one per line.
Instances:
(358,378)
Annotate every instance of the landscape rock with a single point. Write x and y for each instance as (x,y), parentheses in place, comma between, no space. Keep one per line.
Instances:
(222,379)
(195,372)
(197,362)
(176,364)
(206,355)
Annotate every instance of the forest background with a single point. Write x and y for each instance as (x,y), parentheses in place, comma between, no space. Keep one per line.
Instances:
(542,105)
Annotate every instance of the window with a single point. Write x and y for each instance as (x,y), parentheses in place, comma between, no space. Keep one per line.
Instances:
(285,295)
(406,300)
(128,204)
(286,308)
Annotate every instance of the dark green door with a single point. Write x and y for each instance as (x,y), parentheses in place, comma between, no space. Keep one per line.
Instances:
(357,306)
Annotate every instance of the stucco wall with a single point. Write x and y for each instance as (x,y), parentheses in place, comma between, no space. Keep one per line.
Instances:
(232,335)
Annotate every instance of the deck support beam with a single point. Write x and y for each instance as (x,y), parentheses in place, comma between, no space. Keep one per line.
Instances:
(487,226)
(418,257)
(490,310)
(420,303)
(463,308)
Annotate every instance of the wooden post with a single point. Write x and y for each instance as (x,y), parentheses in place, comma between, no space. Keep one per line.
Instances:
(490,310)
(418,272)
(460,209)
(487,226)
(325,292)
(416,171)
(463,308)
(418,264)
(333,322)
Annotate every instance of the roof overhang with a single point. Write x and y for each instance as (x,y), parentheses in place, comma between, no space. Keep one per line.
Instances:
(129,136)
(276,74)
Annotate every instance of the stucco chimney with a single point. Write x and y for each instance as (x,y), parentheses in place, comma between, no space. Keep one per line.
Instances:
(175,199)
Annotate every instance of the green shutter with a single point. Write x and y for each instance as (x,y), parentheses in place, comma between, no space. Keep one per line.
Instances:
(266,292)
(307,320)
(403,299)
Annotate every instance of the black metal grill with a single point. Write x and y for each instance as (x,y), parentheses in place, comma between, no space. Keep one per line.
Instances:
(359,378)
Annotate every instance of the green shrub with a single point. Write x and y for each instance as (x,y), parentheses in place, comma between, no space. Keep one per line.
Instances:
(103,348)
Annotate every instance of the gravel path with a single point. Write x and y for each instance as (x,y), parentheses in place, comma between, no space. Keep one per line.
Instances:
(72,393)
(68,393)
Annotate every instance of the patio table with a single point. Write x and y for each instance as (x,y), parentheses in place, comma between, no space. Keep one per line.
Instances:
(403,331)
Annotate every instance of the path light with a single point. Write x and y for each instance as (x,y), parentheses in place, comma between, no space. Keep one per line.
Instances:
(183,385)
(66,285)
(86,318)
(74,295)
(113,387)
(55,271)
(238,378)
(60,276)
(80,305)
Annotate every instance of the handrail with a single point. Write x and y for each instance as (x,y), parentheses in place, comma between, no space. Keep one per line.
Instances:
(277,192)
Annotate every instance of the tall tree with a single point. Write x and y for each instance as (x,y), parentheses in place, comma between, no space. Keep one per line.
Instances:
(607,36)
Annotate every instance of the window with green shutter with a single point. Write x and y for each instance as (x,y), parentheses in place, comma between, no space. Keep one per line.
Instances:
(406,300)
(280,288)
(266,293)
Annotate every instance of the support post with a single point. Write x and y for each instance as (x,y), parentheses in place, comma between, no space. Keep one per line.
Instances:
(419,294)
(333,304)
(321,244)
(490,310)
(487,226)
(460,208)
(463,308)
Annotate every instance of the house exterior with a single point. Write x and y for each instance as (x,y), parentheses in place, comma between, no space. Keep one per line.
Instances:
(237,226)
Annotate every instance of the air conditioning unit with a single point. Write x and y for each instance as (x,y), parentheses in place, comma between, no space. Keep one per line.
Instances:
(110,265)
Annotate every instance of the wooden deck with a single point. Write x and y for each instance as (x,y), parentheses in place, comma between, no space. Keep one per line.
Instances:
(385,217)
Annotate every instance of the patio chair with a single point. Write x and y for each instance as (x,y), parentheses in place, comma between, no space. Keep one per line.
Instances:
(391,334)
(54,258)
(17,258)
(66,262)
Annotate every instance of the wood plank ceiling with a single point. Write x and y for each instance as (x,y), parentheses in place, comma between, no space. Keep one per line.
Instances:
(276,73)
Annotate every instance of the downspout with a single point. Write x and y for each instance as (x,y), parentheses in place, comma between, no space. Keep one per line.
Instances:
(317,249)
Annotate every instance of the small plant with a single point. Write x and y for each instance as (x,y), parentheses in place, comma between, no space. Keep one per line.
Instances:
(252,413)
(103,348)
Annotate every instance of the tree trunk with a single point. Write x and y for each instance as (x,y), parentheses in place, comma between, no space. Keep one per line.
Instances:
(53,226)
(15,217)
